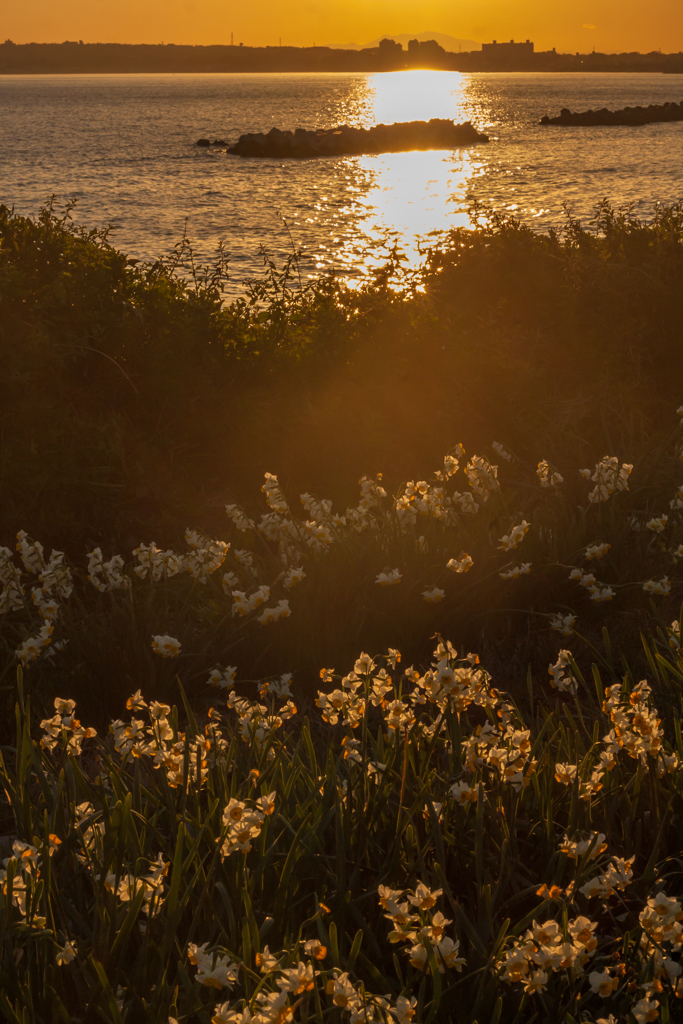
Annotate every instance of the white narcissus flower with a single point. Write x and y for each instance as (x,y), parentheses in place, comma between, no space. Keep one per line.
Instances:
(602,983)
(516,572)
(515,537)
(66,955)
(594,551)
(565,773)
(462,564)
(645,1010)
(389,578)
(662,586)
(434,596)
(563,623)
(166,646)
(280,611)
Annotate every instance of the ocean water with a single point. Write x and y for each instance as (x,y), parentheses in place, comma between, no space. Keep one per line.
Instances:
(123,146)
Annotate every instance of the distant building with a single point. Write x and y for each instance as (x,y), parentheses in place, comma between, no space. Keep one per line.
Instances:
(428,48)
(428,53)
(507,51)
(390,48)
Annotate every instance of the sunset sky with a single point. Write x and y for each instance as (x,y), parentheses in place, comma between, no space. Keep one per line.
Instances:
(608,25)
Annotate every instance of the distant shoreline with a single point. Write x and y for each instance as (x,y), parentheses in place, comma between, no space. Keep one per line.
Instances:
(76,58)
(259,71)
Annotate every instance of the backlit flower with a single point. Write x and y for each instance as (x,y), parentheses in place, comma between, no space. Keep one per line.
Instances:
(389,578)
(166,646)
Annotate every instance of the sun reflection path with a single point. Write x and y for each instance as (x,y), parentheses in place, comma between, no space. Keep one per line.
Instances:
(407,198)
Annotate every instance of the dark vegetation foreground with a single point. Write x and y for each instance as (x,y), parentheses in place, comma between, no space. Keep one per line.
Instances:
(353,821)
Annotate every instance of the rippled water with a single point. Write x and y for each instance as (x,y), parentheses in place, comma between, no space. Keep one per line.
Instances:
(123,147)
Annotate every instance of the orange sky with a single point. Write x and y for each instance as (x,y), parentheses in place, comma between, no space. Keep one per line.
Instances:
(608,25)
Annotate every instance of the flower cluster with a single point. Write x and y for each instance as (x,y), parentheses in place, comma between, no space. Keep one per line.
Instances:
(563,624)
(599,592)
(608,477)
(106,576)
(548,477)
(64,728)
(12,593)
(515,537)
(518,570)
(171,751)
(213,970)
(547,948)
(561,674)
(32,648)
(243,821)
(127,886)
(423,931)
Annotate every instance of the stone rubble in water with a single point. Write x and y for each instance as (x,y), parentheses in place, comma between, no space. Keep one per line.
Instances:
(653,114)
(439,133)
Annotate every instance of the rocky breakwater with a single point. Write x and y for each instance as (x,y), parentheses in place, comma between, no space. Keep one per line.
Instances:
(664,112)
(438,133)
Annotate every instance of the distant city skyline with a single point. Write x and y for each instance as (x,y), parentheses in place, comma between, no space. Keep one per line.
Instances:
(607,25)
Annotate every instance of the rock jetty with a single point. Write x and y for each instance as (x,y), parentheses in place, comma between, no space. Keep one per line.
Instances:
(438,133)
(664,112)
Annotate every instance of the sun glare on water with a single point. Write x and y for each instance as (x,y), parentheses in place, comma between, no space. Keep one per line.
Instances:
(408,197)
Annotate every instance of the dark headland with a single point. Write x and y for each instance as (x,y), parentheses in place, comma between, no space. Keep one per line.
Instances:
(664,112)
(439,133)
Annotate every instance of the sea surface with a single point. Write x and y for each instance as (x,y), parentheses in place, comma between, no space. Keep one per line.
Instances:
(123,147)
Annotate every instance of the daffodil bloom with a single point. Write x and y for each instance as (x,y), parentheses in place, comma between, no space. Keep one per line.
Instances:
(462,564)
(595,843)
(645,1010)
(219,973)
(498,448)
(223,679)
(519,570)
(65,955)
(595,551)
(600,594)
(364,665)
(662,586)
(565,773)
(563,623)
(238,518)
(434,596)
(513,539)
(602,983)
(548,477)
(389,578)
(273,1008)
(657,523)
(314,948)
(35,645)
(462,793)
(581,930)
(265,961)
(280,611)
(297,980)
(224,1014)
(405,1009)
(425,898)
(388,896)
(292,577)
(166,646)
(536,982)
(677,501)
(342,991)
